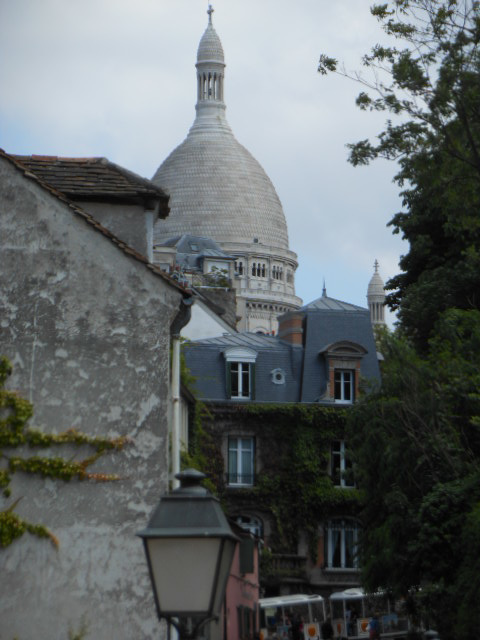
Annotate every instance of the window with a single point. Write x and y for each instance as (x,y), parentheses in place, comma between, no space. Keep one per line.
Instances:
(240,370)
(341,466)
(252,524)
(341,539)
(240,379)
(259,269)
(246,622)
(240,461)
(344,362)
(344,385)
(278,376)
(277,273)
(239,267)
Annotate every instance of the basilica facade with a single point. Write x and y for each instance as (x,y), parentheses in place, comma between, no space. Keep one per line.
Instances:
(218,190)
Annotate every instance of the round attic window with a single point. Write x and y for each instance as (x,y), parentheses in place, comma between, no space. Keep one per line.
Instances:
(278,376)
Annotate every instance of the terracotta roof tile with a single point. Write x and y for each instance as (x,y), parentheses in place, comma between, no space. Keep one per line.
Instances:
(91,220)
(94,179)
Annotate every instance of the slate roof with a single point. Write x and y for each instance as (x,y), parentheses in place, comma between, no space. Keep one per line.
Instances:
(305,368)
(325,303)
(324,327)
(90,220)
(206,361)
(95,179)
(192,249)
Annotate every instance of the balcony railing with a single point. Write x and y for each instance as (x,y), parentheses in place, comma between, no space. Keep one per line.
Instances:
(283,566)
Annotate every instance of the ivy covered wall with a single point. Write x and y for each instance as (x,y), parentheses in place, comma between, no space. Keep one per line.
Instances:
(293,492)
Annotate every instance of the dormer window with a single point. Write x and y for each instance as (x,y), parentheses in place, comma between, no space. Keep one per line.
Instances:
(240,373)
(343,360)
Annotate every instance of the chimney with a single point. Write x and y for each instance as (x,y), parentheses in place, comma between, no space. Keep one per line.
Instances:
(290,328)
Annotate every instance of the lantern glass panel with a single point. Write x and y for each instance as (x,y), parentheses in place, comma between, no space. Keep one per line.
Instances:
(184,572)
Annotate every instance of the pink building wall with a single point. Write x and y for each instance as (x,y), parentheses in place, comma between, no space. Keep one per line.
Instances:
(239,619)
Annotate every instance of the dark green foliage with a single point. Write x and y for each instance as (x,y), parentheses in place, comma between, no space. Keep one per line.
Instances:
(432,80)
(416,444)
(293,483)
(417,440)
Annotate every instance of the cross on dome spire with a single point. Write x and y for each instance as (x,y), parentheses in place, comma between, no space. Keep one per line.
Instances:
(210,11)
(376,265)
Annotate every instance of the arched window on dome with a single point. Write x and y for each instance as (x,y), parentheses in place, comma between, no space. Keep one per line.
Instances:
(264,271)
(274,272)
(254,269)
(239,267)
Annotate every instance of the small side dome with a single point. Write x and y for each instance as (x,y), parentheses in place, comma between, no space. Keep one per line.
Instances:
(210,48)
(376,286)
(376,298)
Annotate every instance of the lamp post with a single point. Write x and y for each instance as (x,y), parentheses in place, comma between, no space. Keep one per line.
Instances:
(189,547)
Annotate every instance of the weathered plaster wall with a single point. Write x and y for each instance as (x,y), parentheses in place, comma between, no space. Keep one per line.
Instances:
(87,329)
(130,223)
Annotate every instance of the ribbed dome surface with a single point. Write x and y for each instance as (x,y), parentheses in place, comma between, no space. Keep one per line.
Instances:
(217,189)
(210,48)
(376,286)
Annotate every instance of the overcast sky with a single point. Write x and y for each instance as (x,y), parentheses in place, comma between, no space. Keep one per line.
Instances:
(116,78)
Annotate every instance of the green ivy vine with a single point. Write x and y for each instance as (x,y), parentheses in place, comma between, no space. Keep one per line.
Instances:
(15,412)
(294,484)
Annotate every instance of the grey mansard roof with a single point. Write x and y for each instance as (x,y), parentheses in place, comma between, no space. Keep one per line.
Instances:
(206,361)
(191,250)
(304,366)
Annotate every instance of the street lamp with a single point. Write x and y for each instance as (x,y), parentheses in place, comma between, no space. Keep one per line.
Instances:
(189,547)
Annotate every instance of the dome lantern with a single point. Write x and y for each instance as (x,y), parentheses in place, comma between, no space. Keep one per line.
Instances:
(376,297)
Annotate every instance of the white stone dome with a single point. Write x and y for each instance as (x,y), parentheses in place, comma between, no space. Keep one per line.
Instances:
(210,47)
(376,287)
(217,189)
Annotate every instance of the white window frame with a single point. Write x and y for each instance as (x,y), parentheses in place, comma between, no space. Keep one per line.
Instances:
(242,360)
(244,449)
(343,374)
(340,532)
(339,461)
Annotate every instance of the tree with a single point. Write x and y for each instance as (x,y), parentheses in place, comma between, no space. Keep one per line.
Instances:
(416,444)
(17,438)
(416,441)
(432,82)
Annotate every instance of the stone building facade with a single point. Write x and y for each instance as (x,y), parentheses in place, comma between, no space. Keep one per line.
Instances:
(276,429)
